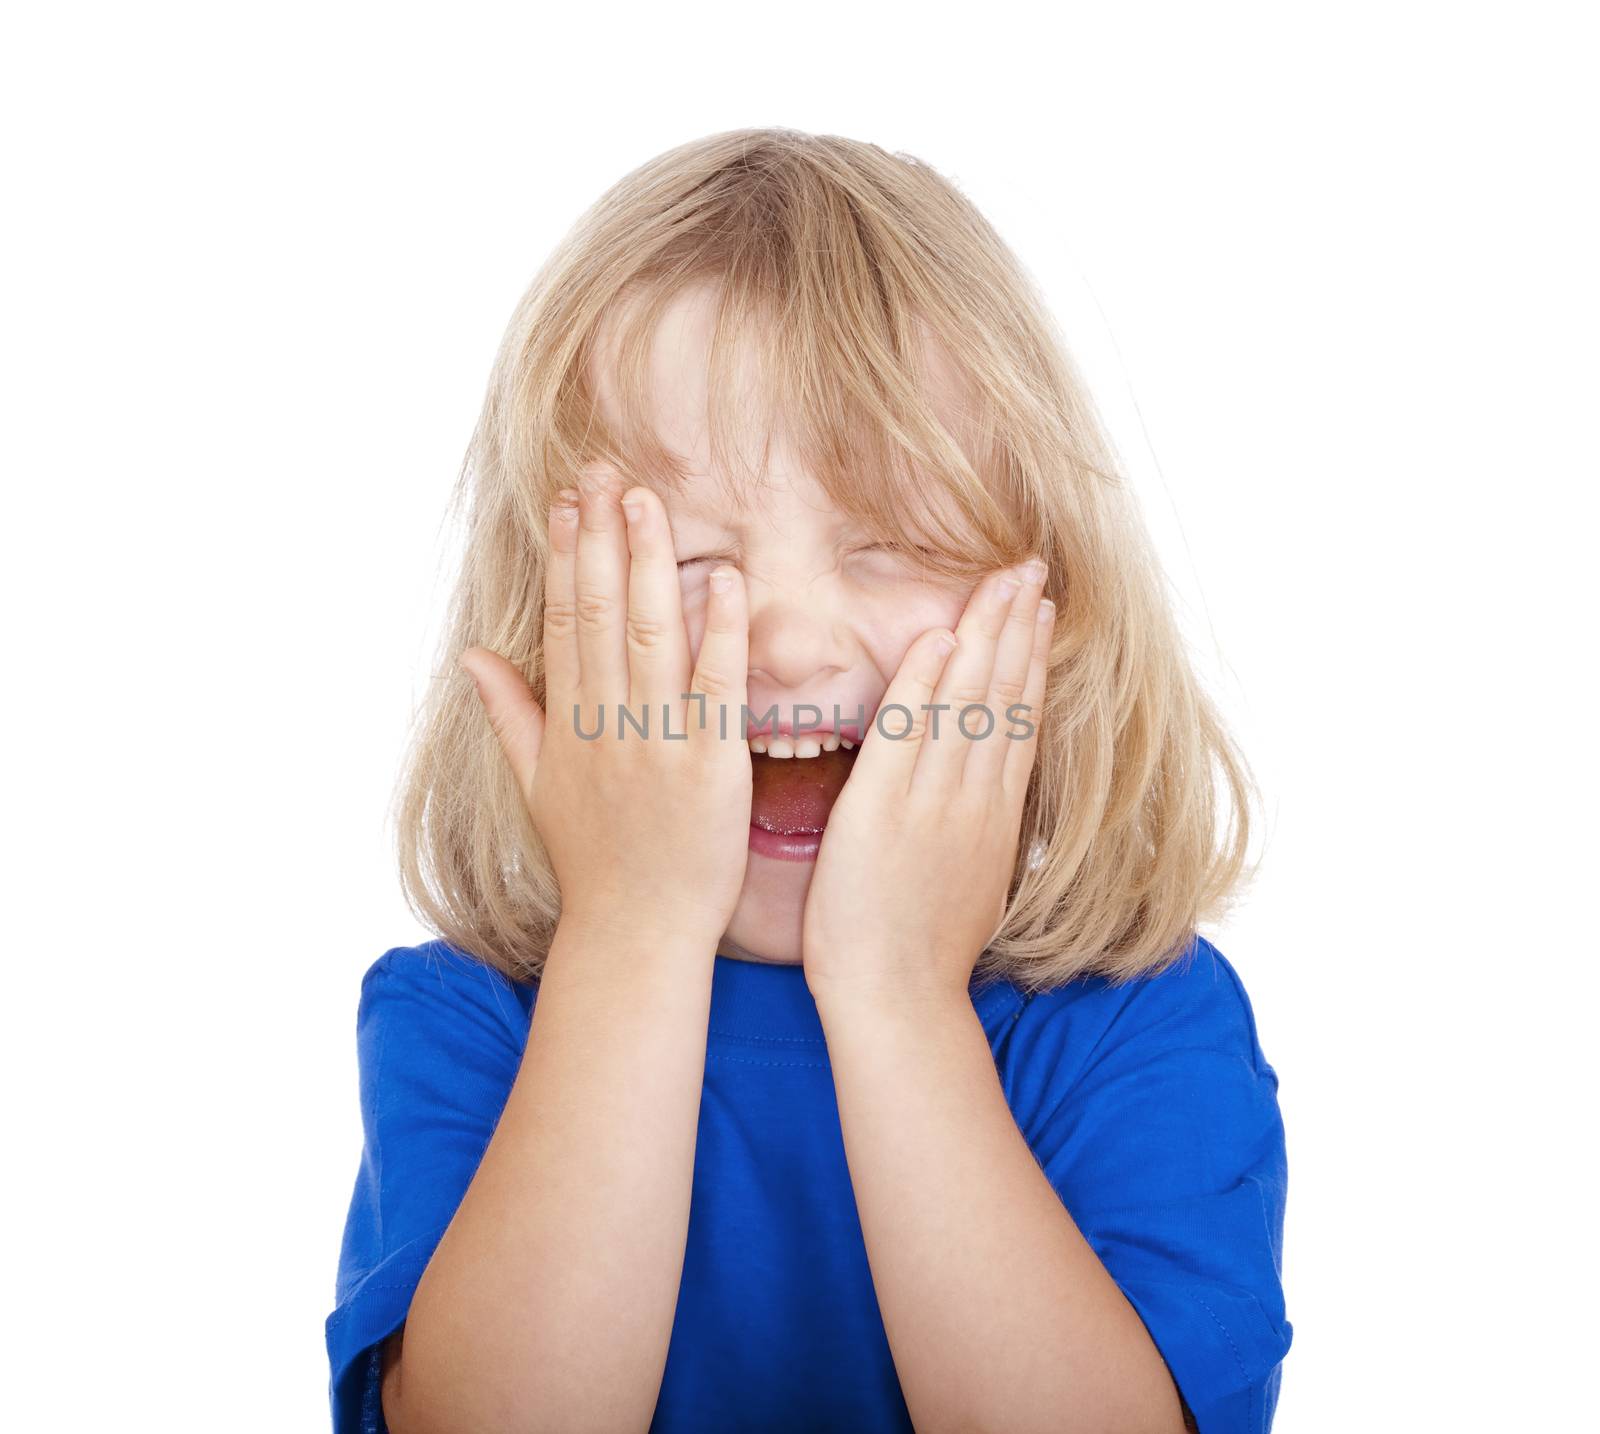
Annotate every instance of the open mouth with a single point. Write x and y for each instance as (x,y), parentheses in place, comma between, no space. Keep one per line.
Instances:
(791,798)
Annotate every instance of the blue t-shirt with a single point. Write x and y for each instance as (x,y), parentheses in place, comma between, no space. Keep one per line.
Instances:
(1149,1106)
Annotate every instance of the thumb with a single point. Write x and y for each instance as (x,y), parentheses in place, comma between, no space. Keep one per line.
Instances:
(513,714)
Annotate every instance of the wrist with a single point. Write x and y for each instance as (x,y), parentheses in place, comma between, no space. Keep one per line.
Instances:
(626,929)
(841,1003)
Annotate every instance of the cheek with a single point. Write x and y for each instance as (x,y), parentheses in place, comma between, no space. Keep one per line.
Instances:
(889,629)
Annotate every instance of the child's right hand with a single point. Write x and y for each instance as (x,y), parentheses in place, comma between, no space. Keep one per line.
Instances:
(647,836)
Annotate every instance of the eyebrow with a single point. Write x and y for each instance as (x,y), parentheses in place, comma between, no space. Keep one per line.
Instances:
(737,524)
(693,507)
(699,507)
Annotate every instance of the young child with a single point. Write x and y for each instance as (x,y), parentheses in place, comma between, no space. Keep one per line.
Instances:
(818,1034)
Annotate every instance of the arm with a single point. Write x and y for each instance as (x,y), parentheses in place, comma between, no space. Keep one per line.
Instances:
(550,1299)
(999,1314)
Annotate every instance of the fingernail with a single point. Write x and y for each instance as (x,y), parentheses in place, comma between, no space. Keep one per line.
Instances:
(947,640)
(1007,588)
(1034,571)
(633,510)
(721,580)
(1047,610)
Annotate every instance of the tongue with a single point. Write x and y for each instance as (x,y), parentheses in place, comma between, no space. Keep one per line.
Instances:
(791,795)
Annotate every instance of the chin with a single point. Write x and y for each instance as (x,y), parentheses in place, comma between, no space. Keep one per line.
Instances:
(768,919)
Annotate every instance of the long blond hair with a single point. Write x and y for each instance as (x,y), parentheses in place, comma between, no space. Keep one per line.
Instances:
(868,285)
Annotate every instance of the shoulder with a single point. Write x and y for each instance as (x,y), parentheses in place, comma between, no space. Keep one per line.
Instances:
(435,986)
(1200,1000)
(1197,1008)
(1200,997)
(436,1030)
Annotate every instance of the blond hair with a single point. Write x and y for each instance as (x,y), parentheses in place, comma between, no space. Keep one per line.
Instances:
(868,285)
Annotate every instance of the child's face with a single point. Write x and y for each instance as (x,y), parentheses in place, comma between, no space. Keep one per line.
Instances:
(831,617)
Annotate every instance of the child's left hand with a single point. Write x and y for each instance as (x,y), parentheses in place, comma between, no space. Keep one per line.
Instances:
(915,866)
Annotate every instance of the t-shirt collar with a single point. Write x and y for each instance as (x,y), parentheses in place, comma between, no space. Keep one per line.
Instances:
(771,1000)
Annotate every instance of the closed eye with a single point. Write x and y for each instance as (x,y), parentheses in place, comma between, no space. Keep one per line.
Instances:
(906,550)
(707,558)
(902,550)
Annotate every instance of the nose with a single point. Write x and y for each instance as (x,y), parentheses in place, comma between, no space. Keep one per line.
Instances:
(799,634)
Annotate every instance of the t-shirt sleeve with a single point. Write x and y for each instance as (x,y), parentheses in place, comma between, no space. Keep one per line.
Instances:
(1156,1120)
(438,1048)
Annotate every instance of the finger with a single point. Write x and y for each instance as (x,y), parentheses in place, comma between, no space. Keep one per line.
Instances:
(1021,751)
(563,675)
(966,681)
(658,645)
(1008,680)
(888,753)
(599,587)
(722,668)
(513,714)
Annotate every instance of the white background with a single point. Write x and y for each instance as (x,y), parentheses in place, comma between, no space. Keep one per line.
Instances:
(1331,271)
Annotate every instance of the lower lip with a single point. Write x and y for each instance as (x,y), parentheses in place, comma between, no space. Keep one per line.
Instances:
(802,846)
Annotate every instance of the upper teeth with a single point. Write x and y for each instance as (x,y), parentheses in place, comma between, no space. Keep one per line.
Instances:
(810,745)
